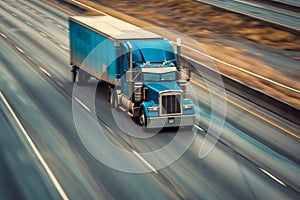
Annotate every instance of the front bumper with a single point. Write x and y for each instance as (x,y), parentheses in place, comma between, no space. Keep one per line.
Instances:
(170,121)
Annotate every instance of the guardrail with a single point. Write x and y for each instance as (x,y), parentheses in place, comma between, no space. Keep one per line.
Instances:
(280,4)
(256,96)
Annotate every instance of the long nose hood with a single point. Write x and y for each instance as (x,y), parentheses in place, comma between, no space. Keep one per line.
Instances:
(161,87)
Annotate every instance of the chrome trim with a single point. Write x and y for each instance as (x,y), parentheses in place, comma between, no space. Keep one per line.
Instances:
(167,93)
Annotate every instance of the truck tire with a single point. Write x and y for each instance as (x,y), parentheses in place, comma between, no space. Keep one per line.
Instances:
(143,119)
(74,73)
(113,100)
(82,77)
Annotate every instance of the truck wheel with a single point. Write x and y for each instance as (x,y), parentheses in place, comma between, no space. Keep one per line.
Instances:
(82,77)
(74,73)
(143,118)
(113,100)
(110,95)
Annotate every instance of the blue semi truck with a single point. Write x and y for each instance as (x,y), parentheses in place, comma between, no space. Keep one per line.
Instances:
(140,68)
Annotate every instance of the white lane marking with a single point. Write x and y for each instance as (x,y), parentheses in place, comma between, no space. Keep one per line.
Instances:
(29,57)
(59,26)
(273,177)
(134,152)
(64,47)
(109,129)
(59,84)
(36,151)
(19,49)
(28,23)
(289,3)
(122,108)
(14,14)
(47,73)
(89,7)
(144,161)
(3,35)
(240,69)
(43,34)
(199,128)
(82,104)
(50,20)
(250,4)
(67,30)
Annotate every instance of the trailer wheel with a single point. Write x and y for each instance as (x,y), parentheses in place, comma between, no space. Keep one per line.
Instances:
(82,77)
(110,95)
(74,73)
(143,118)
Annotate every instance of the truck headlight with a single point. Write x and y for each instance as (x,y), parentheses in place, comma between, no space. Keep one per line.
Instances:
(188,106)
(153,109)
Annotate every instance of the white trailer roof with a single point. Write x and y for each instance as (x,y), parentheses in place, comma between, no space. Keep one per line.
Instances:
(114,28)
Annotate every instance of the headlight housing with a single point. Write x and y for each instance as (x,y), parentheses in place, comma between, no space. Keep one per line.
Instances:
(187,106)
(153,109)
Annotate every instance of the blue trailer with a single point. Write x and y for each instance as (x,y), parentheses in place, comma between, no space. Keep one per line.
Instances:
(140,68)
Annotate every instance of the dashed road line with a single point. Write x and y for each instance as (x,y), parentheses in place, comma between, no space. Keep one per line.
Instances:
(59,26)
(198,127)
(144,161)
(89,7)
(63,47)
(43,34)
(59,84)
(47,73)
(28,23)
(19,49)
(3,35)
(82,104)
(272,176)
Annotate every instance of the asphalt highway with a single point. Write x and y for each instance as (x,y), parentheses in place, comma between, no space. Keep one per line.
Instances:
(289,2)
(253,159)
(276,16)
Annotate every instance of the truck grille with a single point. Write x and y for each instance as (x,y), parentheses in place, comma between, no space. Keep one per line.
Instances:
(171,104)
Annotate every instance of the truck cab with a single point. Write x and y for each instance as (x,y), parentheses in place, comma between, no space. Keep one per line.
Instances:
(152,85)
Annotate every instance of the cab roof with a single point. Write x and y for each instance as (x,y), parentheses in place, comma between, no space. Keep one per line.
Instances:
(114,28)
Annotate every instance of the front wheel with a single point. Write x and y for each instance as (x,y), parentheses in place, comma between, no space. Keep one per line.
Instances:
(113,99)
(143,118)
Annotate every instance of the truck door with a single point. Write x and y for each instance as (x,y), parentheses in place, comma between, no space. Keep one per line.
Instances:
(124,66)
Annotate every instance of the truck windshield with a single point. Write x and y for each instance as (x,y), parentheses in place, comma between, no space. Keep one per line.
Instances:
(151,77)
(153,55)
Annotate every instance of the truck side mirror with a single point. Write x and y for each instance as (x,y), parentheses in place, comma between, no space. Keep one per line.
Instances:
(188,74)
(127,76)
